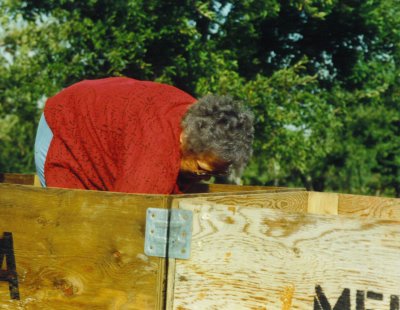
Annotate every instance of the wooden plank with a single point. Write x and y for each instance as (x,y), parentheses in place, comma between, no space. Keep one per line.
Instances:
(17,178)
(80,249)
(258,258)
(36,181)
(323,203)
(290,201)
(226,188)
(240,191)
(369,206)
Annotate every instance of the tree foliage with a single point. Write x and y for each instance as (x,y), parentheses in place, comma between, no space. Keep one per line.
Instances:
(321,76)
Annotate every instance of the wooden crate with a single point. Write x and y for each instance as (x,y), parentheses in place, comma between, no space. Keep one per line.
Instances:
(74,249)
(251,248)
(300,250)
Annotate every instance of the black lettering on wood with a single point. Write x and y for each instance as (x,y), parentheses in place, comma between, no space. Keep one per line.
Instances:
(394,302)
(375,296)
(322,303)
(320,300)
(10,273)
(360,300)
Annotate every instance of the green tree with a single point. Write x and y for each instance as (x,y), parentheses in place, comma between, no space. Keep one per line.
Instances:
(352,47)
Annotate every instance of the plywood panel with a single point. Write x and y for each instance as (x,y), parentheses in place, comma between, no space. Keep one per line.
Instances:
(369,206)
(80,249)
(258,258)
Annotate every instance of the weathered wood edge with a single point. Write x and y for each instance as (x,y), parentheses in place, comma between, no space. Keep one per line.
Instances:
(171,263)
(163,272)
(169,302)
(211,188)
(194,195)
(241,191)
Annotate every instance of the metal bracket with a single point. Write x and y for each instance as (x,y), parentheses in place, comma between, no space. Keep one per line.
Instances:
(168,233)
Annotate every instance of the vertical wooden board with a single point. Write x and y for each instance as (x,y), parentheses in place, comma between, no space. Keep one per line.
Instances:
(36,181)
(369,206)
(80,249)
(256,258)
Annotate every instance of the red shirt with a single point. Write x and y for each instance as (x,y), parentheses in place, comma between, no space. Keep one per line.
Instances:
(116,134)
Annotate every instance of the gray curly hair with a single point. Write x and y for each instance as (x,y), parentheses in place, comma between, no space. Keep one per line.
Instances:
(222,126)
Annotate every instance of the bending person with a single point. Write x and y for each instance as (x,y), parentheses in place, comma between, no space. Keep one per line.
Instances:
(126,135)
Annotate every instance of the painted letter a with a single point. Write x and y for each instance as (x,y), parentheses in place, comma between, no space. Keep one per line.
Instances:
(10,273)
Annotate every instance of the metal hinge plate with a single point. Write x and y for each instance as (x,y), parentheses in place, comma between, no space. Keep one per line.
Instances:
(168,233)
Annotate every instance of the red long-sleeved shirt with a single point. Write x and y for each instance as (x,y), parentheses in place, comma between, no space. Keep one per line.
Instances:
(116,134)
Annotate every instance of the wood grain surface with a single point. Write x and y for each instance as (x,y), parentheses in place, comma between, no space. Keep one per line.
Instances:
(80,249)
(290,201)
(369,206)
(259,258)
(323,203)
(84,249)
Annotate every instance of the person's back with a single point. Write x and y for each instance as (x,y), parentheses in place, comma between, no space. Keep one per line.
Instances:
(115,134)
